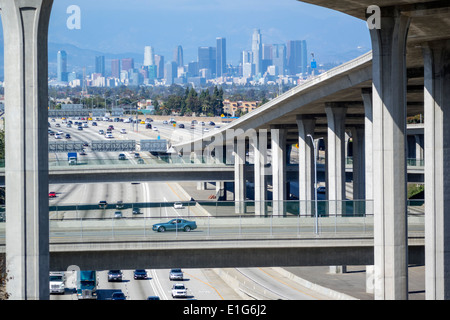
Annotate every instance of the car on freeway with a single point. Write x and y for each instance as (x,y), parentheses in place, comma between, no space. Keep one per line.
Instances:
(52,194)
(101,131)
(58,136)
(118,296)
(153,298)
(155,129)
(137,210)
(148,126)
(140,274)
(179,290)
(122,156)
(120,205)
(165,122)
(321,189)
(94,124)
(68,136)
(102,204)
(178,205)
(175,224)
(176,274)
(181,125)
(114,275)
(118,215)
(137,155)
(109,136)
(123,131)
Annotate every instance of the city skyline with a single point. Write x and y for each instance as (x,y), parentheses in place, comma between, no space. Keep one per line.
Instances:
(192,24)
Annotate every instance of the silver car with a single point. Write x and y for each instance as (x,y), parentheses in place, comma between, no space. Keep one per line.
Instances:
(176,274)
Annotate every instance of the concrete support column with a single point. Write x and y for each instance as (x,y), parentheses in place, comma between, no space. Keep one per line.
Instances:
(336,156)
(418,138)
(25,29)
(389,135)
(259,144)
(437,171)
(239,176)
(368,145)
(278,139)
(306,126)
(358,163)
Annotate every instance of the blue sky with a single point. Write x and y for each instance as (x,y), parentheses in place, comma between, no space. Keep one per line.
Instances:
(127,26)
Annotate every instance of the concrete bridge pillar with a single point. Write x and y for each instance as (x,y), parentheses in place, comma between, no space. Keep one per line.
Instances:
(239,175)
(368,144)
(259,144)
(278,139)
(336,156)
(437,171)
(358,162)
(306,126)
(389,135)
(25,30)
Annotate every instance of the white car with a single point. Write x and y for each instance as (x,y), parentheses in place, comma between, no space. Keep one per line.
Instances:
(178,205)
(179,290)
(123,131)
(155,129)
(58,136)
(109,136)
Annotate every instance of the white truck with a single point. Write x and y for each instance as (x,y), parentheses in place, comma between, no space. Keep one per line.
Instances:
(57,283)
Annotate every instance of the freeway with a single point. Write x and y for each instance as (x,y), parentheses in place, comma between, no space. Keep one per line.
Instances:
(204,284)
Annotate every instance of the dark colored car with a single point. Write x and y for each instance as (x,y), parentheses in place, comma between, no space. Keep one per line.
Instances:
(181,125)
(118,296)
(175,224)
(148,126)
(114,275)
(140,274)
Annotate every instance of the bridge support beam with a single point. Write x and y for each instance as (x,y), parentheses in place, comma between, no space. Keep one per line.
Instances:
(239,175)
(437,172)
(306,180)
(389,135)
(278,138)
(336,155)
(25,25)
(259,144)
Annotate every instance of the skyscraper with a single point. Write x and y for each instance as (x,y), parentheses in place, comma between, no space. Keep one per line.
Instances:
(297,57)
(127,64)
(279,58)
(115,68)
(170,72)
(257,51)
(207,59)
(159,62)
(178,56)
(221,56)
(100,65)
(61,68)
(149,56)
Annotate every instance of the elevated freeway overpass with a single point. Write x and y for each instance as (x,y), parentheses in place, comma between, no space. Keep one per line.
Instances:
(406,73)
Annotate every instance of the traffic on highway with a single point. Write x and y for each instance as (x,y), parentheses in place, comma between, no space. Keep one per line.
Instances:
(146,284)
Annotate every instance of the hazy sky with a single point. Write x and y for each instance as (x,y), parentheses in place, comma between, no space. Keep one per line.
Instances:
(115,26)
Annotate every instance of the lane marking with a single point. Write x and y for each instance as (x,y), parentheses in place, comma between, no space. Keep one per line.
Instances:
(206,284)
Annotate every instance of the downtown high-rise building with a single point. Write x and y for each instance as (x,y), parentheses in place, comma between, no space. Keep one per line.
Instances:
(115,68)
(159,62)
(297,57)
(127,64)
(221,56)
(100,65)
(279,59)
(149,56)
(178,56)
(61,67)
(207,59)
(257,51)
